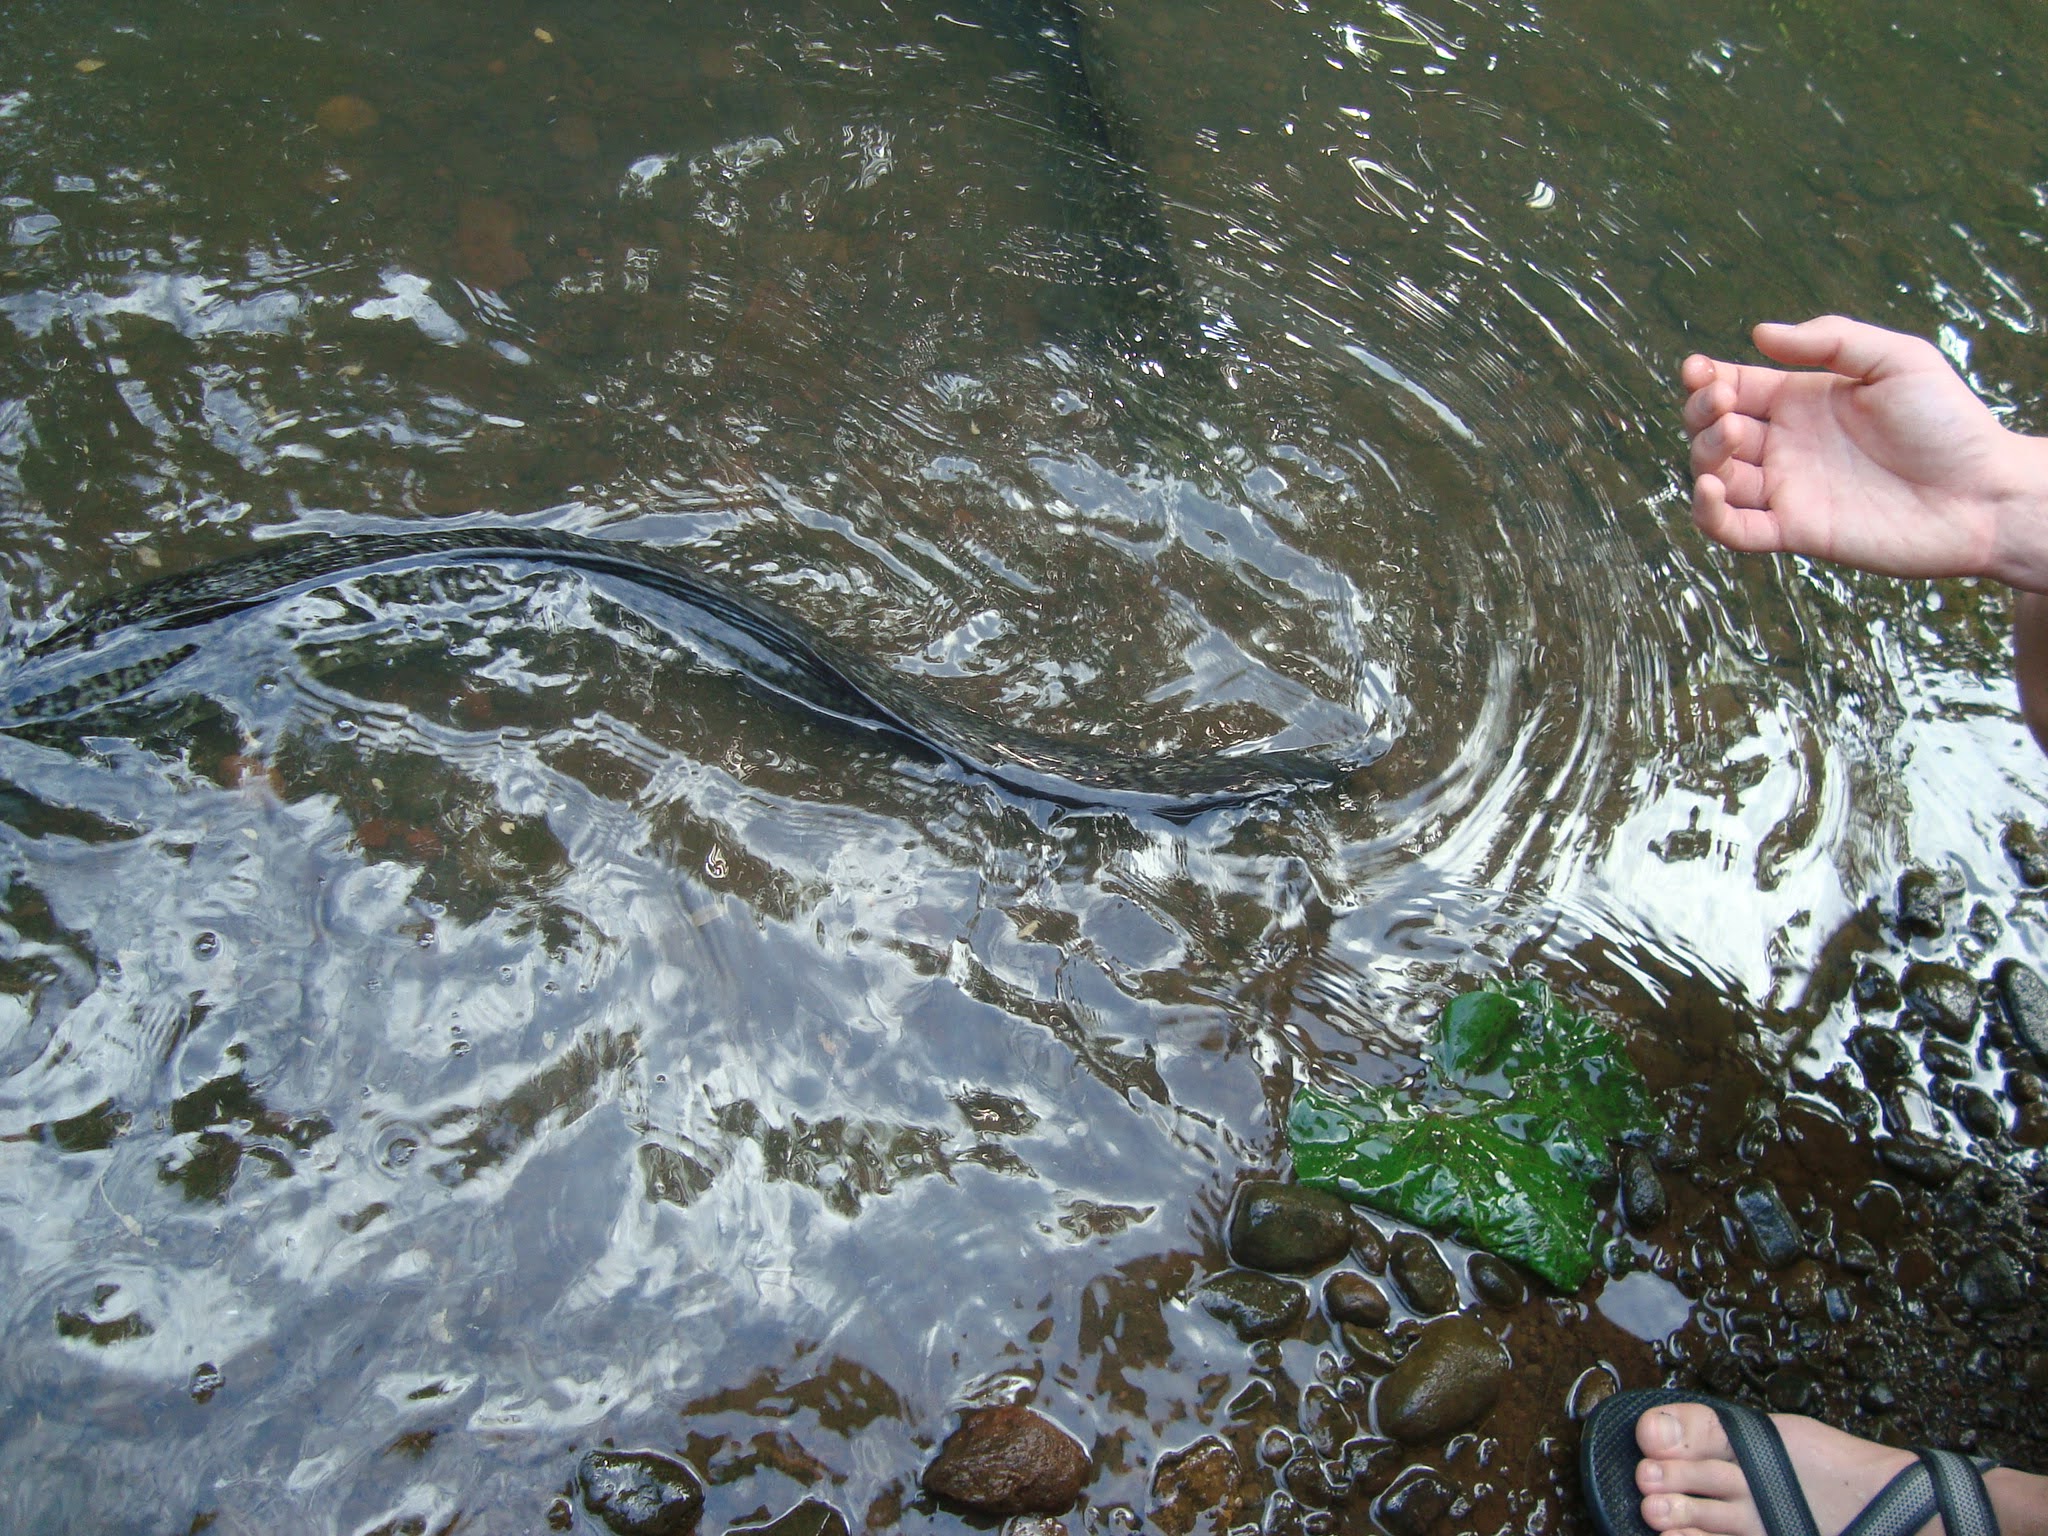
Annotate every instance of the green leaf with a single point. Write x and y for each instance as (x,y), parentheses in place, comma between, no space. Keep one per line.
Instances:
(1501,1139)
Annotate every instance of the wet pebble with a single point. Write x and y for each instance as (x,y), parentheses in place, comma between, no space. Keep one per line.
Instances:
(1881,1053)
(1856,1254)
(1942,996)
(1876,990)
(2024,996)
(1448,1380)
(1008,1461)
(1348,1297)
(1978,1111)
(2031,1128)
(1921,900)
(1643,1201)
(1792,1389)
(1921,1161)
(1368,1245)
(1288,1228)
(640,1493)
(1255,1305)
(1417,1505)
(1420,1273)
(1197,1480)
(1495,1281)
(1944,1058)
(2022,845)
(1772,1232)
(1372,1349)
(1991,1284)
(1595,1385)
(813,1517)
(1371,1462)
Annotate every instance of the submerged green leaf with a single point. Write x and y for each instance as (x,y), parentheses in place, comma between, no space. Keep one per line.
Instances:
(1499,1142)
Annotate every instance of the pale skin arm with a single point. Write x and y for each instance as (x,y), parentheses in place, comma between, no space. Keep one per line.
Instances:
(1880,458)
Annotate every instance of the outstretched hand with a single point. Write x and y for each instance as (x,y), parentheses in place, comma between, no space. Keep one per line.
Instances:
(1882,459)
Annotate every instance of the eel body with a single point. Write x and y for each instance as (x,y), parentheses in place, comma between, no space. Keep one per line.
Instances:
(116,648)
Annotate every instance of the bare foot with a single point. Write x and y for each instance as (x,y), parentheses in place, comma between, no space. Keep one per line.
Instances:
(1692,1486)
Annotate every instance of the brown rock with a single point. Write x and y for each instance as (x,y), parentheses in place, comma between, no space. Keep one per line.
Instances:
(641,1493)
(1008,1461)
(1348,1297)
(1201,1479)
(485,255)
(1448,1380)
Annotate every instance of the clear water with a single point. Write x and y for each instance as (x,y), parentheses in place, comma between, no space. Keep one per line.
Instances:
(447,1025)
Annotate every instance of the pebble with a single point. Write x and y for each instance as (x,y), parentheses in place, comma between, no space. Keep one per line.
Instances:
(1494,1280)
(1417,1505)
(1368,1245)
(1876,989)
(1420,1273)
(1288,1228)
(1772,1231)
(1921,1161)
(1991,1284)
(640,1493)
(1978,1111)
(1643,1202)
(1008,1461)
(1921,899)
(1595,1385)
(1371,1462)
(2024,996)
(1372,1349)
(1944,1058)
(1348,1297)
(1197,1480)
(813,1517)
(1882,1055)
(2029,859)
(1255,1305)
(1792,1389)
(1941,995)
(1448,1380)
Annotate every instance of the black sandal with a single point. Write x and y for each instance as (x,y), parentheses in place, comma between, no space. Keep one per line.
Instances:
(1938,1482)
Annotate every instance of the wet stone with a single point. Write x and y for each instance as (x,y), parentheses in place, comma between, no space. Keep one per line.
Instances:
(1197,1480)
(1921,1161)
(1856,1254)
(1371,1462)
(813,1517)
(2030,1129)
(1792,1389)
(1595,1385)
(1772,1232)
(1876,990)
(1878,1397)
(1991,1284)
(1372,1349)
(1942,996)
(2022,846)
(1921,900)
(1008,1461)
(1944,1058)
(2024,996)
(1495,1281)
(1254,1304)
(1448,1381)
(1978,1112)
(1417,1505)
(1423,1278)
(1348,1297)
(1643,1201)
(1882,1055)
(1798,1291)
(640,1493)
(1288,1228)
(1983,925)
(1368,1245)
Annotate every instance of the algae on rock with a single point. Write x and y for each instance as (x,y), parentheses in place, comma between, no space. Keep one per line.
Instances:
(1499,1140)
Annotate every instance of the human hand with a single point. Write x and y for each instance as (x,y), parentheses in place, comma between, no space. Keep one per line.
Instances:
(1885,460)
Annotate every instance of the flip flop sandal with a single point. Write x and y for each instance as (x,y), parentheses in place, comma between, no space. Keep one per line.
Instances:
(1940,1481)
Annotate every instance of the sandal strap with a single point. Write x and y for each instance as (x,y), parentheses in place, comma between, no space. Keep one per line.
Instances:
(1959,1490)
(1900,1507)
(1773,1485)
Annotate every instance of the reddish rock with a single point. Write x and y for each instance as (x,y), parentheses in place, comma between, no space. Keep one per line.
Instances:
(485,255)
(1008,1461)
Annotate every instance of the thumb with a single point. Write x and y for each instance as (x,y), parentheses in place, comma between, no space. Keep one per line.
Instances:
(1847,347)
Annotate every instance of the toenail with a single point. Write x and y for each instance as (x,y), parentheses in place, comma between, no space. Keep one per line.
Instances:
(1651,1472)
(1666,1430)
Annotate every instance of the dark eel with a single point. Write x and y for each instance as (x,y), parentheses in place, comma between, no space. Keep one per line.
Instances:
(118,647)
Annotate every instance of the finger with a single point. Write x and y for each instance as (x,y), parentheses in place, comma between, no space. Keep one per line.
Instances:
(1728,438)
(1698,371)
(1848,347)
(1734,387)
(1752,530)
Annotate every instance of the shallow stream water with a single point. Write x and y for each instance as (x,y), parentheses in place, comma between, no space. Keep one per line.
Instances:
(449,1022)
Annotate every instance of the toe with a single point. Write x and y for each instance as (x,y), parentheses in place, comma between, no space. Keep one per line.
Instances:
(1676,1512)
(1683,1432)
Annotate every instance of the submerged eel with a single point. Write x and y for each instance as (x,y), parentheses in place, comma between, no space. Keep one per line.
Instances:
(118,647)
